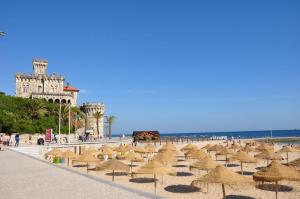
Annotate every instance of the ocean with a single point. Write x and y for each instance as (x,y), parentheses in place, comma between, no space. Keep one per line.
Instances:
(239,134)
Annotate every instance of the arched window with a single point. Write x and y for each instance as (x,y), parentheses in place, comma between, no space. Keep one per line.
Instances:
(50,100)
(40,89)
(63,101)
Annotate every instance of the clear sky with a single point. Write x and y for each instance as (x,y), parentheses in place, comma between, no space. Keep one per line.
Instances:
(172,66)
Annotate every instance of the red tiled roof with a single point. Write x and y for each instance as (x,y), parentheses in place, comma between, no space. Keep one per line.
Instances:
(70,88)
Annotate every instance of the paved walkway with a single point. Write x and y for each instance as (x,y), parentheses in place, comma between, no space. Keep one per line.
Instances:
(22,177)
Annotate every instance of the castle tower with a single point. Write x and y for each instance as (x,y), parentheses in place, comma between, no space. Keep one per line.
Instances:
(40,67)
(91,122)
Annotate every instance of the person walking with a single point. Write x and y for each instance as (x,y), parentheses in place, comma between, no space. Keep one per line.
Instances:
(17,139)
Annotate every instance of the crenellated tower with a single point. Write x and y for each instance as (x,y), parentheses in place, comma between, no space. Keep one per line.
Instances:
(91,122)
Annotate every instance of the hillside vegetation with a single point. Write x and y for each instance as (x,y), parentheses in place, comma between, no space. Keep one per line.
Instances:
(20,115)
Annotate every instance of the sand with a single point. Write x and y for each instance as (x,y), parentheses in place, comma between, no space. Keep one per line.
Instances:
(179,186)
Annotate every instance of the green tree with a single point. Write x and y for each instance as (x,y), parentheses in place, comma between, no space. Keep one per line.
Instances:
(36,109)
(110,119)
(98,116)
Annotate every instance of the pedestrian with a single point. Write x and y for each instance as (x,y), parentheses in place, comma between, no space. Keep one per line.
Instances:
(17,139)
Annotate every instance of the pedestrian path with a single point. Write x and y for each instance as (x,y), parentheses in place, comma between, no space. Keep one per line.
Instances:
(23,177)
(34,151)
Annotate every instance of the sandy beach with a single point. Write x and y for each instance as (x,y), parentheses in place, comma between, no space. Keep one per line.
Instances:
(178,186)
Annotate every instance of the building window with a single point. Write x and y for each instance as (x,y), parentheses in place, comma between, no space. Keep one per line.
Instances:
(40,89)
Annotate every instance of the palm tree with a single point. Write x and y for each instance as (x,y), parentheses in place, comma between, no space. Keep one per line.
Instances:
(2,33)
(98,115)
(110,119)
(36,108)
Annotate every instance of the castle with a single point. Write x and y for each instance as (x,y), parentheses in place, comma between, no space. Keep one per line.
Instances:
(52,88)
(43,86)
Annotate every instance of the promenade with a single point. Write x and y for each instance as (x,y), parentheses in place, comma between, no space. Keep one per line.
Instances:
(22,177)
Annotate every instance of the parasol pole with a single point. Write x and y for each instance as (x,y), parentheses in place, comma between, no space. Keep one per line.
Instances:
(155,184)
(276,183)
(242,168)
(223,189)
(113,176)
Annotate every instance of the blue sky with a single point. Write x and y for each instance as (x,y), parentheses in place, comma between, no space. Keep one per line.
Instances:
(172,66)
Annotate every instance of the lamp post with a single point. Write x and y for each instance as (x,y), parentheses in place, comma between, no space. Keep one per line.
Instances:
(59,121)
(69,139)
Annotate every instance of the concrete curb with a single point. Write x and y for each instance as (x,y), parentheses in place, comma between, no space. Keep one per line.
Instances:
(97,179)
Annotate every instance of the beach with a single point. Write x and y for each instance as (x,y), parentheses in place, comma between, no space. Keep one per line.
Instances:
(178,186)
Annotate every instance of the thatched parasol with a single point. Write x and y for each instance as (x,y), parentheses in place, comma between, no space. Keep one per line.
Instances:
(188,147)
(222,176)
(188,153)
(207,146)
(122,149)
(106,152)
(155,168)
(235,147)
(248,149)
(150,148)
(87,157)
(54,152)
(287,150)
(168,147)
(225,152)
(140,150)
(243,158)
(114,165)
(205,164)
(295,163)
(264,146)
(198,154)
(276,172)
(133,157)
(216,147)
(91,150)
(268,155)
(166,158)
(70,155)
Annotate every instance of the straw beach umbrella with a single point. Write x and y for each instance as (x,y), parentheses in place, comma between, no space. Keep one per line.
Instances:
(188,147)
(70,155)
(287,150)
(140,150)
(107,152)
(207,146)
(114,165)
(223,176)
(187,154)
(198,154)
(155,168)
(235,147)
(168,147)
(216,147)
(88,158)
(295,163)
(205,164)
(133,157)
(248,149)
(150,148)
(225,152)
(276,172)
(54,152)
(264,146)
(166,158)
(268,155)
(243,157)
